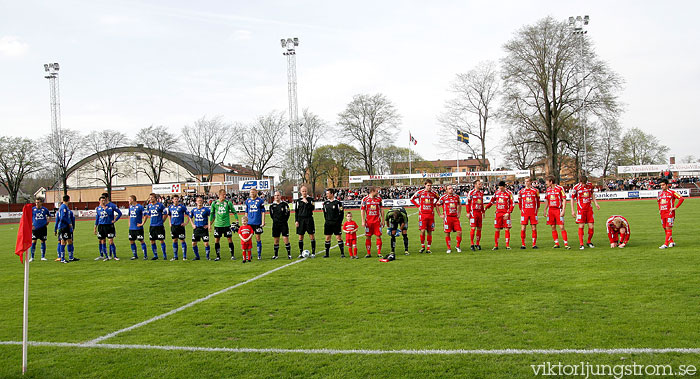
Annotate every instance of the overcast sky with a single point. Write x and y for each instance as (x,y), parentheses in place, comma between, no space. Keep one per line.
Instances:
(130,64)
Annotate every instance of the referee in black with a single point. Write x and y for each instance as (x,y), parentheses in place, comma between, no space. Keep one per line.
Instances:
(279,212)
(304,219)
(333,214)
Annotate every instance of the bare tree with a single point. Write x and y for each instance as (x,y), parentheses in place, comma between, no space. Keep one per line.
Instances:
(470,111)
(262,142)
(18,159)
(689,159)
(608,147)
(209,142)
(108,158)
(308,163)
(63,152)
(639,148)
(344,158)
(389,156)
(370,121)
(544,84)
(154,142)
(578,146)
(518,151)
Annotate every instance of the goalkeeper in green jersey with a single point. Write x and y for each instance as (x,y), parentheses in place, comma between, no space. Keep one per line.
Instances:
(220,219)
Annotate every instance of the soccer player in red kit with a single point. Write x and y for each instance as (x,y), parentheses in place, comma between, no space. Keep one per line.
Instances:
(475,207)
(372,220)
(426,201)
(667,209)
(554,204)
(584,195)
(503,200)
(246,233)
(452,209)
(529,204)
(618,231)
(350,229)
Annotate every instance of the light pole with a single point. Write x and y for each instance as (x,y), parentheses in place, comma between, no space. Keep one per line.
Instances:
(289,50)
(51,73)
(577,25)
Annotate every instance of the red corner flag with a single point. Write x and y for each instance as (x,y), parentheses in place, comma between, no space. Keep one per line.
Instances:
(24,233)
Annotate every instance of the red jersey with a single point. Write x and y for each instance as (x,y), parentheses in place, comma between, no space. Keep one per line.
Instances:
(475,202)
(583,193)
(372,207)
(612,228)
(529,201)
(450,205)
(503,201)
(555,196)
(667,200)
(351,228)
(245,232)
(425,201)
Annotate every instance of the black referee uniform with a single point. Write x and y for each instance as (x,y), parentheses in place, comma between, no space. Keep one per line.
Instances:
(304,215)
(279,212)
(333,215)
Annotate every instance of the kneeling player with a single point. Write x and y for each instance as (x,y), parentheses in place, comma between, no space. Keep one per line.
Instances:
(618,231)
(503,200)
(246,233)
(199,219)
(397,223)
(350,229)
(452,209)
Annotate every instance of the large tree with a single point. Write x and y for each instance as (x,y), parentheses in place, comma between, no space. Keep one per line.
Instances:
(63,151)
(108,159)
(389,156)
(18,159)
(370,121)
(153,142)
(471,111)
(581,143)
(262,142)
(344,158)
(519,152)
(606,155)
(639,148)
(307,164)
(550,76)
(209,141)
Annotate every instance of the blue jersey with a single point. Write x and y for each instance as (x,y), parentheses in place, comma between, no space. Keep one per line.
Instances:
(63,217)
(156,212)
(136,217)
(104,215)
(40,217)
(177,214)
(200,216)
(116,210)
(255,210)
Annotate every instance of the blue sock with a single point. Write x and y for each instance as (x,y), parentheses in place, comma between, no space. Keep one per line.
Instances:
(206,249)
(43,249)
(58,249)
(145,251)
(62,252)
(133,250)
(70,251)
(113,249)
(184,250)
(101,250)
(175,250)
(155,250)
(259,248)
(33,248)
(195,248)
(162,248)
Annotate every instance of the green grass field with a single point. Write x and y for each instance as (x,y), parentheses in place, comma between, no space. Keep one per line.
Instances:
(602,298)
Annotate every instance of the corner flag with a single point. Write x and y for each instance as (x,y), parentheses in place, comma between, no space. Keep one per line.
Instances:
(24,232)
(463,137)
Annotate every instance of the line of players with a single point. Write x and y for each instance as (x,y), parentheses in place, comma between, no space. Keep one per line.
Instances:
(218,216)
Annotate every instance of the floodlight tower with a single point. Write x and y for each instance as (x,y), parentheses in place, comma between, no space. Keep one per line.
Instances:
(51,73)
(577,25)
(289,50)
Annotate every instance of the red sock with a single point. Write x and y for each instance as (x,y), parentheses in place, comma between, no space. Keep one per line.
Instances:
(590,235)
(422,240)
(368,245)
(471,236)
(580,236)
(522,237)
(507,237)
(354,250)
(555,236)
(478,236)
(430,240)
(496,236)
(669,237)
(379,246)
(564,237)
(459,240)
(534,237)
(447,241)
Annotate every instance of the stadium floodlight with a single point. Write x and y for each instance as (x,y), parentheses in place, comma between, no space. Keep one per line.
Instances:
(289,50)
(52,76)
(577,28)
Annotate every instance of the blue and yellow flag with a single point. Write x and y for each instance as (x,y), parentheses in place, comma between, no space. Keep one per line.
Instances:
(463,137)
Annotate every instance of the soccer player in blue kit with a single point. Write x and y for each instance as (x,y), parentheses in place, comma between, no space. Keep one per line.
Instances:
(177,213)
(136,227)
(155,211)
(64,229)
(199,218)
(104,228)
(255,210)
(40,219)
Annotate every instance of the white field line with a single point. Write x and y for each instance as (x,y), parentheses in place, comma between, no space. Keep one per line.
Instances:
(369,352)
(188,305)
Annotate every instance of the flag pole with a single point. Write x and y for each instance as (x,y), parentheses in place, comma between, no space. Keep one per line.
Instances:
(457,165)
(410,169)
(25,313)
